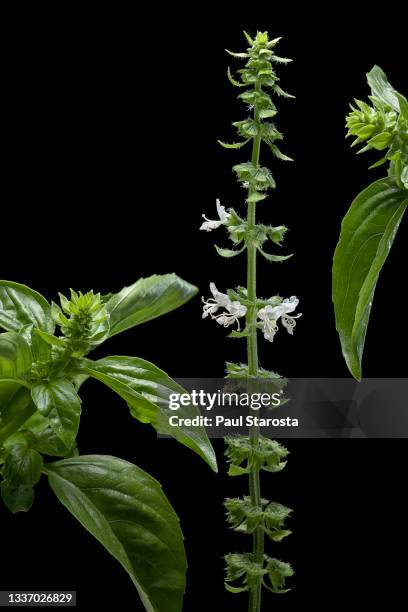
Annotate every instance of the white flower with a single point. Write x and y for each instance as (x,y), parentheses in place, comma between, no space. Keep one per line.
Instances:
(209,225)
(232,310)
(269,316)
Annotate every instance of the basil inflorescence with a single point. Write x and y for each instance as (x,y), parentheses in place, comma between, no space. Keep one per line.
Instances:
(369,227)
(242,308)
(43,364)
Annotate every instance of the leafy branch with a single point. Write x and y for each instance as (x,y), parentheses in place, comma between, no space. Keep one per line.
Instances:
(43,364)
(369,228)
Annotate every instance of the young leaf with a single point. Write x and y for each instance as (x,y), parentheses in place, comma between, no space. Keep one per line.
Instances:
(21,306)
(125,509)
(15,355)
(147,299)
(50,339)
(381,88)
(367,233)
(147,390)
(58,400)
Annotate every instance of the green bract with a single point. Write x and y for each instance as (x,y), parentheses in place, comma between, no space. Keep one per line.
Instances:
(369,228)
(383,125)
(43,364)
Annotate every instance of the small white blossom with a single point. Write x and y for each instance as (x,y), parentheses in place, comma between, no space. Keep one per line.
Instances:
(269,316)
(232,310)
(209,225)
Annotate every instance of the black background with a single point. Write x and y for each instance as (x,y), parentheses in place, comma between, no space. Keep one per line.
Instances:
(111,123)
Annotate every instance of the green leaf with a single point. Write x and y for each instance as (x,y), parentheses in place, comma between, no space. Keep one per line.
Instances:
(15,407)
(233,145)
(22,466)
(8,389)
(147,299)
(380,141)
(367,233)
(21,471)
(21,306)
(50,339)
(403,104)
(147,391)
(381,88)
(275,258)
(59,402)
(17,498)
(125,509)
(15,355)
(229,252)
(48,443)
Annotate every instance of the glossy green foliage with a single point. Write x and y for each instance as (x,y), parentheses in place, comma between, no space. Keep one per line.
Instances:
(125,509)
(369,228)
(43,363)
(15,355)
(21,471)
(51,365)
(147,390)
(20,306)
(367,234)
(145,300)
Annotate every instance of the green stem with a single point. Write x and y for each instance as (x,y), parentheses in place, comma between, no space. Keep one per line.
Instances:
(19,411)
(252,346)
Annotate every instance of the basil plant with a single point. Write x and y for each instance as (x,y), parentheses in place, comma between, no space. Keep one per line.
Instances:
(43,363)
(369,227)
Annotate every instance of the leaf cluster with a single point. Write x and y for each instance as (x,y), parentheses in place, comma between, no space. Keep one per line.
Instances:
(382,125)
(43,364)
